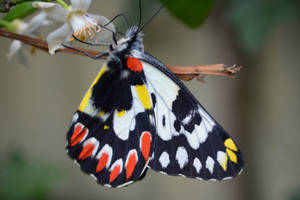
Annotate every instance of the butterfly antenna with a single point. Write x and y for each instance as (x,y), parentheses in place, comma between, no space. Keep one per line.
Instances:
(140,10)
(154,15)
(117,16)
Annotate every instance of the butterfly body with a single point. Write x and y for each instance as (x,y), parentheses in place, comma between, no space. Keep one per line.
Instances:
(138,115)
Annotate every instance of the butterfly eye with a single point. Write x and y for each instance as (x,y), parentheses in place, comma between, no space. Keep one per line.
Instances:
(134,64)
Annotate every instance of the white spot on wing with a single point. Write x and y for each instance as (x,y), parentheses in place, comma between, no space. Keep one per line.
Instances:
(181,157)
(90,109)
(240,172)
(202,132)
(132,151)
(106,149)
(118,162)
(164,159)
(163,172)
(192,138)
(107,185)
(75,117)
(152,120)
(122,124)
(124,184)
(188,118)
(205,127)
(210,164)
(95,142)
(93,176)
(83,127)
(212,179)
(75,161)
(222,158)
(197,164)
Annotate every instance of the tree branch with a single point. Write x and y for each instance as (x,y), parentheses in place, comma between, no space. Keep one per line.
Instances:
(182,72)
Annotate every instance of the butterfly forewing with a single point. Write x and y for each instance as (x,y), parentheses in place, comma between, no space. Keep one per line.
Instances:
(112,138)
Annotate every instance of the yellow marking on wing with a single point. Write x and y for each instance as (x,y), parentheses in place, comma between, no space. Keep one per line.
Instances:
(101,114)
(106,127)
(232,156)
(121,113)
(224,163)
(143,96)
(230,144)
(88,94)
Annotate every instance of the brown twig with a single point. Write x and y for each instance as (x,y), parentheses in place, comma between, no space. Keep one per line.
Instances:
(182,72)
(191,72)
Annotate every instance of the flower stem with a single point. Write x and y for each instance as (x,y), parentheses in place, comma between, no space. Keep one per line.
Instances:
(183,72)
(4,24)
(62,3)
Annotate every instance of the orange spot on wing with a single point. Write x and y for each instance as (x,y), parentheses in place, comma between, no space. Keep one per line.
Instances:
(78,134)
(145,145)
(130,165)
(86,151)
(114,173)
(102,162)
(134,64)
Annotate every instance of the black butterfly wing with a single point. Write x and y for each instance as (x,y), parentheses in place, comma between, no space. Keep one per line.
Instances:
(111,133)
(127,116)
(189,142)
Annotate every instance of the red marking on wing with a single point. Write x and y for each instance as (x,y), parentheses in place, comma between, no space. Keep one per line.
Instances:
(102,162)
(79,133)
(130,165)
(145,145)
(86,151)
(134,64)
(114,173)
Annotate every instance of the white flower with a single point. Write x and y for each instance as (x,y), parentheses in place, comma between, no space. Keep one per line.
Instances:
(77,21)
(26,28)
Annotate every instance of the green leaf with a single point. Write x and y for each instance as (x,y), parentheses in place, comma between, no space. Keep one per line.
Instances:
(190,12)
(5,5)
(20,11)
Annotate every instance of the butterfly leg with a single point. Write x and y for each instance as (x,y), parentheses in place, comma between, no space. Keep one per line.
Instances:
(101,55)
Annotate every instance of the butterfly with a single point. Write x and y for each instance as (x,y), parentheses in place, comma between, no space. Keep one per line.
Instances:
(137,115)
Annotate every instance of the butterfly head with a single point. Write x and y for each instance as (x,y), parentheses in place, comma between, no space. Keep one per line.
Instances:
(130,44)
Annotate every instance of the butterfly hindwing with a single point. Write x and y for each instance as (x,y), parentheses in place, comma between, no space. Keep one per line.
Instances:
(189,141)
(111,135)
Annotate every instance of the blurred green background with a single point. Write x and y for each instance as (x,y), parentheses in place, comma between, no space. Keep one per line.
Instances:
(260,108)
